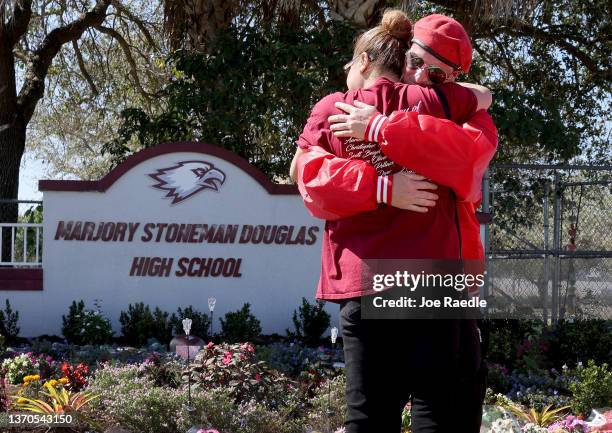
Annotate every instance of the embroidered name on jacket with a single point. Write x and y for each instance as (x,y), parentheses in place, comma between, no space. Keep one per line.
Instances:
(371,152)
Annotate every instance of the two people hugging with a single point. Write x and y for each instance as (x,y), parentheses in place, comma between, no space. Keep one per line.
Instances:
(394,165)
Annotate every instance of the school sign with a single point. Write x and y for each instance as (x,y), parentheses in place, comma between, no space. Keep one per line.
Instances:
(172,226)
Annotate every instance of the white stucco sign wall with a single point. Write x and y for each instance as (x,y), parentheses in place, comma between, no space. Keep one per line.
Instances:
(170,227)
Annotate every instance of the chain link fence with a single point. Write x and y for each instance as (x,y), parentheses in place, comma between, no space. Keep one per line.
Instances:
(550,243)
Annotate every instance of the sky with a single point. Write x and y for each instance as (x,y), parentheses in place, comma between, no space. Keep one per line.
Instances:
(32,170)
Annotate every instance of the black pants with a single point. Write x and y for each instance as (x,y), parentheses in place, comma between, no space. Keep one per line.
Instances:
(435,364)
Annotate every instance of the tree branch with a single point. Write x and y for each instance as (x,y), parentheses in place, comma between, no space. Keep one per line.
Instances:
(19,22)
(40,61)
(83,69)
(506,58)
(485,25)
(522,29)
(128,54)
(19,54)
(143,28)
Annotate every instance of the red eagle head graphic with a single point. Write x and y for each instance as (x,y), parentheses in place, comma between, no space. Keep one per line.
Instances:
(187,178)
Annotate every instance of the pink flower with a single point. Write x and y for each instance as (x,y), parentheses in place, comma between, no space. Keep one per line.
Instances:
(248,347)
(258,377)
(210,345)
(228,358)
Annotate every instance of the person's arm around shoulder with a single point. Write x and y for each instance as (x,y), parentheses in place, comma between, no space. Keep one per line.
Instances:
(439,149)
(484,96)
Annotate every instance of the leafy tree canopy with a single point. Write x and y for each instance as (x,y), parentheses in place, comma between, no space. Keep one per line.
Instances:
(250,90)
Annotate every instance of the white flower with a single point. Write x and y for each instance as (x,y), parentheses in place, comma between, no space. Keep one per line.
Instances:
(502,426)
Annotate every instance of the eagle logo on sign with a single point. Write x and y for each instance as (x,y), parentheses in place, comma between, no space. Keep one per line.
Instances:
(187,178)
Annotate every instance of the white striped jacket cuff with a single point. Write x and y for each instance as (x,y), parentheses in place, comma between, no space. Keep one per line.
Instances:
(384,189)
(375,127)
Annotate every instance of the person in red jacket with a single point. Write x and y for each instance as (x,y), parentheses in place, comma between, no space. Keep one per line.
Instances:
(424,144)
(387,232)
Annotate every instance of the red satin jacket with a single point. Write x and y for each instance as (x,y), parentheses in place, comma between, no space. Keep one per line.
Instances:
(343,190)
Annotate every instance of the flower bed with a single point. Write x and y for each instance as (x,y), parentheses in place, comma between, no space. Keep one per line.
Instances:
(280,387)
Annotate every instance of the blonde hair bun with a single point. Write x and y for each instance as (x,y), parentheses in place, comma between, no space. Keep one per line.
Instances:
(397,24)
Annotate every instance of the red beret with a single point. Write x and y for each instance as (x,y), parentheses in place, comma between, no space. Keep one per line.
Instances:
(446,38)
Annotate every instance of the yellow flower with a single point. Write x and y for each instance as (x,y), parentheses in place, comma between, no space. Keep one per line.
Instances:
(31,378)
(50,384)
(21,400)
(64,380)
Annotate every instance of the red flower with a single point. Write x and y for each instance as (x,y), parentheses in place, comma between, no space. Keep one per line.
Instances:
(76,375)
(258,377)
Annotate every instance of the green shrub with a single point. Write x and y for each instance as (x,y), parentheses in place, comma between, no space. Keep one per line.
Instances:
(162,328)
(83,326)
(163,371)
(8,322)
(131,399)
(310,322)
(498,378)
(240,326)
(579,340)
(70,322)
(138,325)
(235,367)
(255,417)
(591,387)
(200,322)
(503,338)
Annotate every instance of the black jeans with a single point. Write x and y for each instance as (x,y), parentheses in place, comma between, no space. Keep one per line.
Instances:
(435,364)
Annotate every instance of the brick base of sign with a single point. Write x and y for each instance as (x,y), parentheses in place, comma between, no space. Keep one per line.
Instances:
(21,279)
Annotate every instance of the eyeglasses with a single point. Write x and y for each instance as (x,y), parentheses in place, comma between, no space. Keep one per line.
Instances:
(434,73)
(347,67)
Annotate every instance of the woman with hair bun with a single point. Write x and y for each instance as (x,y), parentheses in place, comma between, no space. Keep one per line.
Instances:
(389,361)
